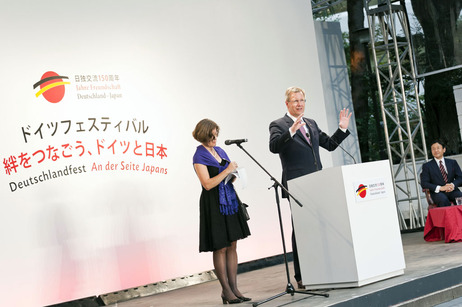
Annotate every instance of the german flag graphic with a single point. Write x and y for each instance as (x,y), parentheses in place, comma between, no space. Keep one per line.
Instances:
(361,191)
(51,86)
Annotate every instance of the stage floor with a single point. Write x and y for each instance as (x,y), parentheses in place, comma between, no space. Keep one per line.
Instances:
(430,267)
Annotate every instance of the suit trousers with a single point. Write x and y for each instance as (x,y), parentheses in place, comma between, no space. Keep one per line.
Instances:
(443,199)
(298,275)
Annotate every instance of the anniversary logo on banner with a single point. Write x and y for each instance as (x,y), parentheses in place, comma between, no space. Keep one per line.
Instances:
(369,189)
(64,146)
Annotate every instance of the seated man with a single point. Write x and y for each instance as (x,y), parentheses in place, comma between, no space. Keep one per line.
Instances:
(441,176)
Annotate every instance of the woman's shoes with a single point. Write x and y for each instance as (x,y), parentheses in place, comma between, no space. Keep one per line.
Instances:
(235,301)
(244,299)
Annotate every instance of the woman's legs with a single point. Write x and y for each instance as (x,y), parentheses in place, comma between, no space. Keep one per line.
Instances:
(221,270)
(231,266)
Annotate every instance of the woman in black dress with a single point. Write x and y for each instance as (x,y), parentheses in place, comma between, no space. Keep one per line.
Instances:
(221,220)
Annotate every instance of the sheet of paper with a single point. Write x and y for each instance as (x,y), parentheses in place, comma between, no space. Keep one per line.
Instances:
(240,173)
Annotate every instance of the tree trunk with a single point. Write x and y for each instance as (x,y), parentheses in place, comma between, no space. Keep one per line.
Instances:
(358,66)
(439,23)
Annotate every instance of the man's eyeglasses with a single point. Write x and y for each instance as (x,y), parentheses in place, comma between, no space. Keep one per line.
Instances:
(298,101)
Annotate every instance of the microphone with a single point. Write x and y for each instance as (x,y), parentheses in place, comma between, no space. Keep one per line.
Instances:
(323,133)
(238,141)
(310,141)
(308,132)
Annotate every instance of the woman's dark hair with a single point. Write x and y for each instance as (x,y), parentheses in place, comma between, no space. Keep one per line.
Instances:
(203,131)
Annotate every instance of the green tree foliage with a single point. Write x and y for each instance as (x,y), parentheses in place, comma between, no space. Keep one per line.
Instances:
(440,22)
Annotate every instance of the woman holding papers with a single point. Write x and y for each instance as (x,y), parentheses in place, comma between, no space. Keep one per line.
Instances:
(221,220)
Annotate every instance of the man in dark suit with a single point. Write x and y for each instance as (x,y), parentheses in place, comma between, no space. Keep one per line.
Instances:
(297,140)
(441,176)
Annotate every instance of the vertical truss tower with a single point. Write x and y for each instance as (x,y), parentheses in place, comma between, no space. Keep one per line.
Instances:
(393,61)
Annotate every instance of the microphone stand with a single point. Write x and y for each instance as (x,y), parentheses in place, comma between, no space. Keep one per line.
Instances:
(336,143)
(289,287)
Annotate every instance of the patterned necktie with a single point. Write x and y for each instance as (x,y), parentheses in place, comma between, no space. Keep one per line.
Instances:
(443,172)
(303,130)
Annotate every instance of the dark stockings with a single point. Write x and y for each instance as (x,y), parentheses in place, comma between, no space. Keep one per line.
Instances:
(225,263)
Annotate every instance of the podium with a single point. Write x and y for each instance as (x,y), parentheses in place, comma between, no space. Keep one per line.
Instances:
(347,231)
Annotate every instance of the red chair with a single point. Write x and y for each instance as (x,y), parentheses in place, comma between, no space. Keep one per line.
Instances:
(430,202)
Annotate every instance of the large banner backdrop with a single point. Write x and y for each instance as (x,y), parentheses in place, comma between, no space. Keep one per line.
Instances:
(99,99)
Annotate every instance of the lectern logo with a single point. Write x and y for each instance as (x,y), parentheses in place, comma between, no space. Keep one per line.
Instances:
(51,86)
(362,190)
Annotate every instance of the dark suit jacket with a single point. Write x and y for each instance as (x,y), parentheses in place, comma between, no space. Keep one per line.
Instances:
(295,153)
(431,175)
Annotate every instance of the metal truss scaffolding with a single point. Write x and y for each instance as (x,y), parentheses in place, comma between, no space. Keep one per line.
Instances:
(393,61)
(322,5)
